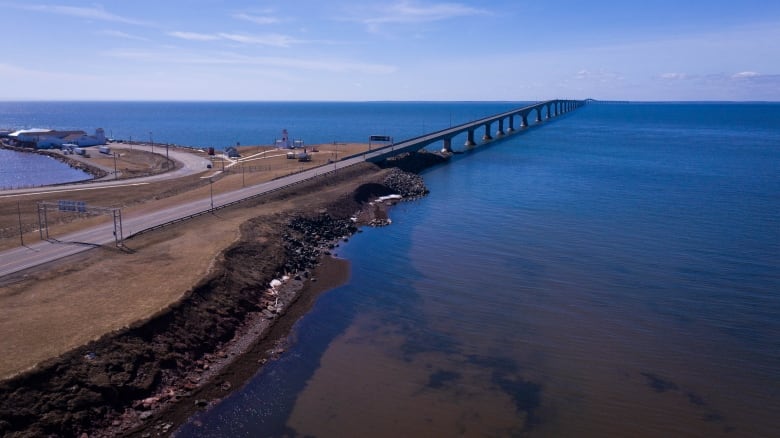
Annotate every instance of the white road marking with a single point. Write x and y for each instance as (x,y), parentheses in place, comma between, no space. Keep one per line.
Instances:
(74,190)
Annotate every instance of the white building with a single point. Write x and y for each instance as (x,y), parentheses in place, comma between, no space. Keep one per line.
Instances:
(285,141)
(49,138)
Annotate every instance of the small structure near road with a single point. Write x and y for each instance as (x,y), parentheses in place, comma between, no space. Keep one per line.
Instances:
(286,143)
(300,156)
(232,152)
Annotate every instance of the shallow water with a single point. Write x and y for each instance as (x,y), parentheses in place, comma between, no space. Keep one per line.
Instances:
(612,274)
(20,169)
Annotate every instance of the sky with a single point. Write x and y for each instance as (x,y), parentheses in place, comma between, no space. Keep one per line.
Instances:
(396,50)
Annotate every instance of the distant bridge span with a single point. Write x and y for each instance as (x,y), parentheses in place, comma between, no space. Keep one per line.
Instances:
(23,257)
(506,125)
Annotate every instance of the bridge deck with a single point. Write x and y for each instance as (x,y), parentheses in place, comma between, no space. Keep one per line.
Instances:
(417,143)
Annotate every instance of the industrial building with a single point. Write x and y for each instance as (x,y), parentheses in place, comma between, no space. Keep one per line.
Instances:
(49,138)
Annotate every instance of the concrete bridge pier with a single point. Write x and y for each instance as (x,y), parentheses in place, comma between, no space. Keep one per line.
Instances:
(500,132)
(523,120)
(470,138)
(511,124)
(538,114)
(447,145)
(487,136)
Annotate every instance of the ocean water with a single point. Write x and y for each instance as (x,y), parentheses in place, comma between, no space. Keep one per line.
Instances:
(19,169)
(614,273)
(221,124)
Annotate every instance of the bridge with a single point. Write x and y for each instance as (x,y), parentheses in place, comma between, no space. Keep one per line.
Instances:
(505,122)
(20,258)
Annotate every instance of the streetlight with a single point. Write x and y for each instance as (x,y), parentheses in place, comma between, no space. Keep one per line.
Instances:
(116,176)
(151,141)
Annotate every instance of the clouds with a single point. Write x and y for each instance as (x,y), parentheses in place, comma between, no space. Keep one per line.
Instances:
(742,85)
(119,34)
(273,40)
(397,49)
(97,13)
(673,76)
(405,12)
(293,64)
(745,75)
(601,76)
(378,16)
(742,76)
(194,36)
(264,19)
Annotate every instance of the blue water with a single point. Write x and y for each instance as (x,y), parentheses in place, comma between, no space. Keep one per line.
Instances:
(222,124)
(20,169)
(614,273)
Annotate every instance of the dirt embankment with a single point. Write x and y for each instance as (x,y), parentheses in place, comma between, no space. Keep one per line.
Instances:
(116,384)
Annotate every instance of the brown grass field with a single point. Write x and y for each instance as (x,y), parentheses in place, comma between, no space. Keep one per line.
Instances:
(54,308)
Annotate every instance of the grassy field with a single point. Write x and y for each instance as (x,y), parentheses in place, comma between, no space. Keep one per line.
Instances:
(258,164)
(54,308)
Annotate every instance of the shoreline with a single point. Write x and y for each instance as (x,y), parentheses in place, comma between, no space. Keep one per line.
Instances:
(258,341)
(256,344)
(94,172)
(126,380)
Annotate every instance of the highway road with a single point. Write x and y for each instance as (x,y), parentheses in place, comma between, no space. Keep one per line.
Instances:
(21,258)
(191,163)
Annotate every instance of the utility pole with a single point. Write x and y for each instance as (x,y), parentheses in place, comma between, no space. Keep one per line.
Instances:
(116,175)
(151,141)
(211,189)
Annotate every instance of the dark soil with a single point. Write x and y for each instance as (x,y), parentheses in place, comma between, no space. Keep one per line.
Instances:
(159,367)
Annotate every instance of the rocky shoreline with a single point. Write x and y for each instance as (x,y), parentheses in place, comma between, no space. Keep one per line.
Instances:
(144,380)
